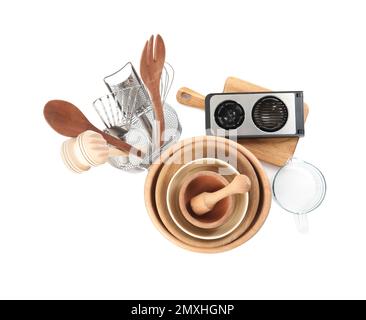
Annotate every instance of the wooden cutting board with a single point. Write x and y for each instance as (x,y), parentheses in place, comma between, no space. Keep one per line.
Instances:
(276,151)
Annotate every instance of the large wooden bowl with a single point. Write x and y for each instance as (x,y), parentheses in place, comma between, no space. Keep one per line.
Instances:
(255,223)
(211,148)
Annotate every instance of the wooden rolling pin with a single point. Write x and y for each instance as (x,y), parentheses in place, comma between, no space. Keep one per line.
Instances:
(276,151)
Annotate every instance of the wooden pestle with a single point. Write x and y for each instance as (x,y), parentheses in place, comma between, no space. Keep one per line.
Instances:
(205,201)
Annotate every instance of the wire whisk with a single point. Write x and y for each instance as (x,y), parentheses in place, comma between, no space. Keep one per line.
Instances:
(116,110)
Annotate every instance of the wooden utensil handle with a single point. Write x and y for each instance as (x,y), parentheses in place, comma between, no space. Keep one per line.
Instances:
(191,98)
(119,144)
(159,114)
(113,152)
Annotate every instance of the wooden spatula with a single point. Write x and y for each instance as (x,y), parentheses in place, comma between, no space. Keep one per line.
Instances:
(151,66)
(68,120)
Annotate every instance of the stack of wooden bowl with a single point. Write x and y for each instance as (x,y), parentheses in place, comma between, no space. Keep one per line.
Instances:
(173,171)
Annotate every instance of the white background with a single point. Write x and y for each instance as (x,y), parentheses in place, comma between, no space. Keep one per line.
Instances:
(64,235)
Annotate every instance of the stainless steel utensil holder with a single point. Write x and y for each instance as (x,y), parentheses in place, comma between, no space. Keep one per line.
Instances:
(142,124)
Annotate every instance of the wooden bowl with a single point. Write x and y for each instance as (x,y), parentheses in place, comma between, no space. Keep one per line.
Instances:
(190,230)
(179,157)
(195,184)
(219,245)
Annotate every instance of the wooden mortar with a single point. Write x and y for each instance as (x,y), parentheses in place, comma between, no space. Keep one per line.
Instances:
(205,181)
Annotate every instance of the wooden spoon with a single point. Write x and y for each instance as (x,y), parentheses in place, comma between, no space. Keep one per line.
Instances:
(68,120)
(205,201)
(151,66)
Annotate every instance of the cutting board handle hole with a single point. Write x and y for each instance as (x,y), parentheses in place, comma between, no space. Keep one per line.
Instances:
(185,96)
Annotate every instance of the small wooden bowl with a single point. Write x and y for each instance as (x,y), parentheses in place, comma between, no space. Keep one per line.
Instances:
(205,181)
(202,235)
